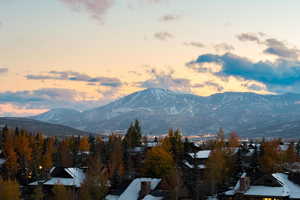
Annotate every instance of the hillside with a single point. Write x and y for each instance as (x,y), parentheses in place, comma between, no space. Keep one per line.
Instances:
(35,126)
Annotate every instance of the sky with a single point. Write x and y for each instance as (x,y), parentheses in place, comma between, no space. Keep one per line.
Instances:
(81,54)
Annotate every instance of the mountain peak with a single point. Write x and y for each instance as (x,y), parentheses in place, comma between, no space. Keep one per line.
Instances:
(159,109)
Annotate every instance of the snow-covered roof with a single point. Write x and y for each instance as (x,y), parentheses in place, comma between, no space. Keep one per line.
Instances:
(200,166)
(112,197)
(292,188)
(150,197)
(132,191)
(266,191)
(201,154)
(151,144)
(212,198)
(251,152)
(62,181)
(236,187)
(2,161)
(77,175)
(283,147)
(287,188)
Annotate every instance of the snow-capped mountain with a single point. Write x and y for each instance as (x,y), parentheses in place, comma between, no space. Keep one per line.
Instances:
(160,109)
(59,116)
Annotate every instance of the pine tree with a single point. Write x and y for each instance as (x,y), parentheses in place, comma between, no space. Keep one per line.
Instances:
(220,142)
(84,144)
(38,193)
(99,147)
(24,149)
(173,144)
(11,165)
(95,183)
(9,190)
(218,166)
(298,148)
(158,162)
(116,162)
(65,156)
(174,183)
(270,158)
(133,135)
(61,192)
(291,155)
(234,140)
(37,143)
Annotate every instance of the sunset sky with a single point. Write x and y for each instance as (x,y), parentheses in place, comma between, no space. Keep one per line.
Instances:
(85,53)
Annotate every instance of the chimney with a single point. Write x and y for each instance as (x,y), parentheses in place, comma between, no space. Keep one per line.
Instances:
(244,184)
(145,189)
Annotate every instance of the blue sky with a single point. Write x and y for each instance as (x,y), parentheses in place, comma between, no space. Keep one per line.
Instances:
(89,52)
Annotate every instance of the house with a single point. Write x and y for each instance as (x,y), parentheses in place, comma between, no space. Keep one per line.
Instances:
(139,188)
(197,160)
(70,177)
(277,186)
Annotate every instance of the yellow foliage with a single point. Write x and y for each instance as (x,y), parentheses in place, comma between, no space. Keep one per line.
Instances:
(9,190)
(158,162)
(84,144)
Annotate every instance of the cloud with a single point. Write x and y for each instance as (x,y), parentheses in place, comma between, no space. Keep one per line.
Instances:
(277,75)
(169,17)
(76,76)
(279,48)
(212,84)
(3,70)
(254,86)
(163,36)
(165,80)
(249,37)
(224,47)
(95,8)
(195,44)
(48,98)
(273,46)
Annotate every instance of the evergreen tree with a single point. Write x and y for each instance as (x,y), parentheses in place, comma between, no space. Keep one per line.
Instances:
(24,149)
(187,146)
(115,161)
(37,143)
(158,162)
(270,158)
(95,183)
(234,140)
(65,156)
(11,165)
(84,144)
(298,148)
(173,144)
(291,155)
(38,193)
(133,135)
(216,168)
(9,190)
(61,192)
(47,160)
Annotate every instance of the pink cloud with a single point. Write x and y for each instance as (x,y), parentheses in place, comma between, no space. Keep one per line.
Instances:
(96,8)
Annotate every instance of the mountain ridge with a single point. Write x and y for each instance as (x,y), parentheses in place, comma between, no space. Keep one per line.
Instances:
(36,126)
(160,109)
